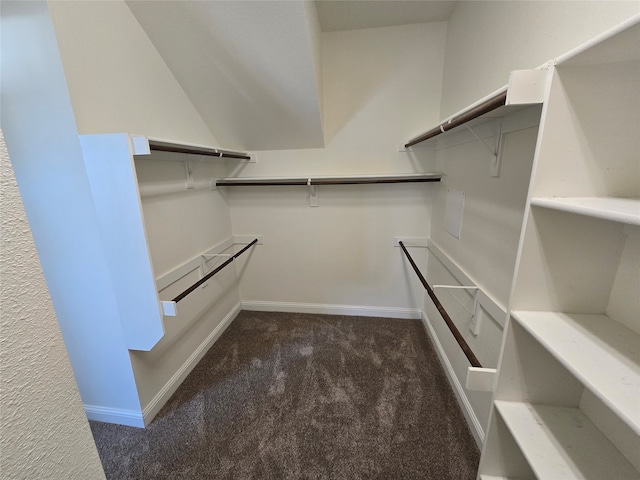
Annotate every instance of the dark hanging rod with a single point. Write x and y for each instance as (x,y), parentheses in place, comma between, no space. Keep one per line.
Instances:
(485,107)
(473,360)
(250,182)
(211,274)
(211,152)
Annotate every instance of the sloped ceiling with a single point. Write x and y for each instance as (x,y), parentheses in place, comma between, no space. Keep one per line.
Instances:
(249,67)
(357,14)
(252,68)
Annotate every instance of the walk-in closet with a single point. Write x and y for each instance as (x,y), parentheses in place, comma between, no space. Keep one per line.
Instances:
(336,239)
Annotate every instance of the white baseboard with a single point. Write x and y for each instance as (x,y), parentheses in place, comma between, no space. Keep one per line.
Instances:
(154,406)
(327,309)
(463,400)
(130,418)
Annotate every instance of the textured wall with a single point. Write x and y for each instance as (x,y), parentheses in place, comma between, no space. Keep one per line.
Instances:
(45,433)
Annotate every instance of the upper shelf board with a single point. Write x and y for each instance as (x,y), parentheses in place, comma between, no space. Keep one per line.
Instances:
(145,145)
(622,210)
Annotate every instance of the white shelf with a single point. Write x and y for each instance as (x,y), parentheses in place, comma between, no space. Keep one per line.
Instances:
(562,443)
(601,353)
(330,180)
(622,210)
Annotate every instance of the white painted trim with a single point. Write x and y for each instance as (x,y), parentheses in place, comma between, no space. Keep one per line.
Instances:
(465,405)
(154,406)
(130,418)
(326,309)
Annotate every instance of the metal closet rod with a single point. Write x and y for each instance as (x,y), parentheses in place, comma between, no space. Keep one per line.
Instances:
(473,360)
(211,274)
(250,182)
(211,152)
(489,105)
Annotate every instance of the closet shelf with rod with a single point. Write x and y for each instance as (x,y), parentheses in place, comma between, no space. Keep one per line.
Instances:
(328,180)
(145,145)
(473,360)
(313,181)
(525,87)
(478,378)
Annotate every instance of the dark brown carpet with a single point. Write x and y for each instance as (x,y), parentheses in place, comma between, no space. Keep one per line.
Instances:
(292,396)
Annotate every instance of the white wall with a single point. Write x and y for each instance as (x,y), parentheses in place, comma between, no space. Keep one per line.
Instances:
(117,80)
(42,139)
(380,85)
(45,433)
(488,39)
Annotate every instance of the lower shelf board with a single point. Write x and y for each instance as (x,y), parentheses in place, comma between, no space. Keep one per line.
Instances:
(603,354)
(562,443)
(496,477)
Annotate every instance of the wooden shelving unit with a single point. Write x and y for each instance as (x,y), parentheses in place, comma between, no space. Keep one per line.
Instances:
(567,399)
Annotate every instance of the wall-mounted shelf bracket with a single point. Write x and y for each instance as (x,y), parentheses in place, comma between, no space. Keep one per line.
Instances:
(313,194)
(204,258)
(474,325)
(494,150)
(190,183)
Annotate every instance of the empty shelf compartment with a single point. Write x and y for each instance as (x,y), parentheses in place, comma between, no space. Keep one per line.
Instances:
(601,353)
(562,443)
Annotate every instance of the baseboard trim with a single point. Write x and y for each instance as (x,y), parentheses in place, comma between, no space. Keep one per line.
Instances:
(328,309)
(130,418)
(154,406)
(463,400)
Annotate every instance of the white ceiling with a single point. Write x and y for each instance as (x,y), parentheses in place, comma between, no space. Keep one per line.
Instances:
(337,15)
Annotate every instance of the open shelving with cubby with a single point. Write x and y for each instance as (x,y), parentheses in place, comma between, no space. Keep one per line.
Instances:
(567,396)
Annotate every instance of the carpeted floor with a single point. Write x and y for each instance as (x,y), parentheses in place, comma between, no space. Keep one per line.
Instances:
(293,396)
